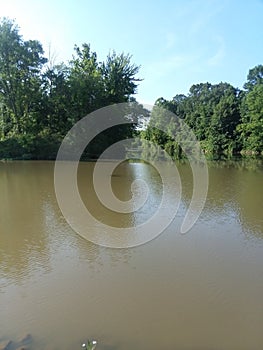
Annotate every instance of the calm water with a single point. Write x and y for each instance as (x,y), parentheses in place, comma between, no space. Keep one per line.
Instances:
(198,291)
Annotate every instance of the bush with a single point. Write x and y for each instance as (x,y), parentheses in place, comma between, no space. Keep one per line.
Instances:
(30,147)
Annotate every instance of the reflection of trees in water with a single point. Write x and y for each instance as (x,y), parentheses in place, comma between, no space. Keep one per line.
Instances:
(253,164)
(121,187)
(235,193)
(99,257)
(32,229)
(24,187)
(121,181)
(250,199)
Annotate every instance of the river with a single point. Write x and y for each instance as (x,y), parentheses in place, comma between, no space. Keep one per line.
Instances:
(198,290)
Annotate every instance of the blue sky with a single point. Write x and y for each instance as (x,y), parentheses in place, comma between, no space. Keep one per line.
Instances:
(178,43)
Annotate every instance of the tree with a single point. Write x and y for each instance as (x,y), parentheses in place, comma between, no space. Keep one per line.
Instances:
(254,77)
(251,127)
(176,105)
(119,77)
(40,102)
(225,118)
(97,84)
(20,84)
(85,82)
(56,108)
(211,111)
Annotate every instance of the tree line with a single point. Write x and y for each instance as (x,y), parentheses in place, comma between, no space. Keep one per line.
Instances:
(226,120)
(40,101)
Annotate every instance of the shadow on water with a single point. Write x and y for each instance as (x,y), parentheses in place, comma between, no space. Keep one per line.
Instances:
(31,225)
(25,188)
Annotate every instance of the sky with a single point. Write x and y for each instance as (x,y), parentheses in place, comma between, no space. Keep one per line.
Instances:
(177,43)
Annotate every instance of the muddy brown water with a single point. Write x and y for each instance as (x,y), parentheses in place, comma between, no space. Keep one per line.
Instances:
(201,290)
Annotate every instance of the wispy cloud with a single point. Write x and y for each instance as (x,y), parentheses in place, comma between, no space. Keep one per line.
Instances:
(198,15)
(220,52)
(168,65)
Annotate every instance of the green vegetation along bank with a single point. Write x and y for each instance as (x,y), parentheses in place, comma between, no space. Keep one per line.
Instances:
(226,120)
(40,101)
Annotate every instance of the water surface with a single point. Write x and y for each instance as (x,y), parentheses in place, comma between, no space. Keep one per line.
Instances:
(202,290)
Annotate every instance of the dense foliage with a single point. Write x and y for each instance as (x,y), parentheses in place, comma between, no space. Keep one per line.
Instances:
(40,102)
(227,121)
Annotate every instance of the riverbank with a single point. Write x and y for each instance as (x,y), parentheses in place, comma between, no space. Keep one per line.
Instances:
(46,148)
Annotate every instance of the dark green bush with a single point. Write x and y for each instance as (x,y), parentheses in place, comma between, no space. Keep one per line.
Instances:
(30,147)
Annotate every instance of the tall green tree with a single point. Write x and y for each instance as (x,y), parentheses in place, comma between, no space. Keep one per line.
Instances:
(97,84)
(56,115)
(251,126)
(20,79)
(119,77)
(40,102)
(254,77)
(221,134)
(86,83)
(211,111)
(250,129)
